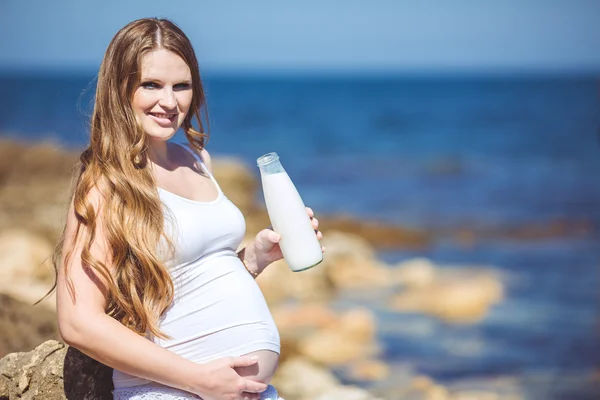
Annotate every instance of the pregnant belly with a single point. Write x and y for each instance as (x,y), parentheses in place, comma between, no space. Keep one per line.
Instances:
(262,371)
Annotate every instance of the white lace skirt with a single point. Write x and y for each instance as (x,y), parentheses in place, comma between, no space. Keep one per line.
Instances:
(147,392)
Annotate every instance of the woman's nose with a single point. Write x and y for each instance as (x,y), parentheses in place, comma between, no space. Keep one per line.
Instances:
(168,100)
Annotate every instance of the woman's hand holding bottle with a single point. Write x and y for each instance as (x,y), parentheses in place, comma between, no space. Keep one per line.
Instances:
(265,248)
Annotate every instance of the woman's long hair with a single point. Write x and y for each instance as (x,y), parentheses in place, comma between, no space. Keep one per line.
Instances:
(138,286)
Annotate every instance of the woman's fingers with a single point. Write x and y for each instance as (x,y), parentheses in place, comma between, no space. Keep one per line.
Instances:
(250,387)
(315,223)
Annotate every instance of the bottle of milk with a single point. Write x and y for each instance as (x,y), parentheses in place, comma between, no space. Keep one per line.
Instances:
(299,244)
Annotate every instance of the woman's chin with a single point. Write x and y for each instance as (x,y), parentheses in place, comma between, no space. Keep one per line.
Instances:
(162,134)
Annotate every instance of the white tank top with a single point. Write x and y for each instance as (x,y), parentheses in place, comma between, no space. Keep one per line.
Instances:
(218,309)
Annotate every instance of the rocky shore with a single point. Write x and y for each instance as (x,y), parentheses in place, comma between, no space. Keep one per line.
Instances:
(328,352)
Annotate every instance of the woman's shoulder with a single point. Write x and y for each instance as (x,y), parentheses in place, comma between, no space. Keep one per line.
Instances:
(206,159)
(203,154)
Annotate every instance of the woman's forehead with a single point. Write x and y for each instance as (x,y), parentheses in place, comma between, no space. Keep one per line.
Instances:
(164,65)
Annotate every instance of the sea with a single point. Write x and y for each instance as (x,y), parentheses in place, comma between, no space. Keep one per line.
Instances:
(440,154)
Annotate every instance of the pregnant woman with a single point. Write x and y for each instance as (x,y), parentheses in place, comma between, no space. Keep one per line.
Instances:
(149,279)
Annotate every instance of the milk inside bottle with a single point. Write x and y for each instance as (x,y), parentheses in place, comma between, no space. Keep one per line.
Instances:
(299,244)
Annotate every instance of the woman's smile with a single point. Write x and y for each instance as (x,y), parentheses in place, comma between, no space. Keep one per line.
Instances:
(162,119)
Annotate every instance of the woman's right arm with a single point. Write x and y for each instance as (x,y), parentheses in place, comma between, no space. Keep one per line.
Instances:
(83,324)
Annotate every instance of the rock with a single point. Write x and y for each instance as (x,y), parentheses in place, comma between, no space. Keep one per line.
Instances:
(26,270)
(25,256)
(4,393)
(279,283)
(377,233)
(299,379)
(296,320)
(345,393)
(359,324)
(350,263)
(23,326)
(464,297)
(476,395)
(331,347)
(417,272)
(423,388)
(236,181)
(369,370)
(317,333)
(351,339)
(54,371)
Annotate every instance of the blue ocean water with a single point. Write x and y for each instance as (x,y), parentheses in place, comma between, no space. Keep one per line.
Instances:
(438,154)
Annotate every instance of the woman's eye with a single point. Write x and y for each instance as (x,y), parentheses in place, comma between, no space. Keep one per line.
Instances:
(182,86)
(149,85)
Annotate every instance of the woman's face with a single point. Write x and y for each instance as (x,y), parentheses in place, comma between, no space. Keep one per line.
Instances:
(163,98)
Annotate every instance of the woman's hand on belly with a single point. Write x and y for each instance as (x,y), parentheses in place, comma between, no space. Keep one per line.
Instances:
(222,382)
(263,370)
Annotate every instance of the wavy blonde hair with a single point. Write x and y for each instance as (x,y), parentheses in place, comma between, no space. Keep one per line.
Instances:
(138,286)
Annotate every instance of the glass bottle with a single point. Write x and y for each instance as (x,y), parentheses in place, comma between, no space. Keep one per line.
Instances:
(299,244)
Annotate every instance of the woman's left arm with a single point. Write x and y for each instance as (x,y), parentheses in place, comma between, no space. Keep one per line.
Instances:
(265,249)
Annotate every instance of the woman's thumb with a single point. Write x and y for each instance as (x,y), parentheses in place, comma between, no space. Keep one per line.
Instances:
(267,239)
(243,361)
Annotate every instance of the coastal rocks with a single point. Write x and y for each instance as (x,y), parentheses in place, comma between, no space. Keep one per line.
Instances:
(368,371)
(279,283)
(299,379)
(236,180)
(23,326)
(26,271)
(346,393)
(378,234)
(454,295)
(34,186)
(349,263)
(54,371)
(317,333)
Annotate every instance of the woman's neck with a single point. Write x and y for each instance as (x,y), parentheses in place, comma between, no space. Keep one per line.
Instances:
(158,153)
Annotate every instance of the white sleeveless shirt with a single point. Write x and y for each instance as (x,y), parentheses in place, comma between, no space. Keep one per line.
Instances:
(218,309)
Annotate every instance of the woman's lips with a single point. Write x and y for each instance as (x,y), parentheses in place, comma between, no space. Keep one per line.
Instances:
(165,120)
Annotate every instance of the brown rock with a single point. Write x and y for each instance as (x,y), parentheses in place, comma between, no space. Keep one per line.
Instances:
(369,370)
(26,270)
(464,298)
(350,263)
(54,371)
(237,182)
(295,320)
(23,326)
(351,339)
(376,233)
(278,283)
(360,324)
(477,395)
(299,379)
(422,388)
(418,272)
(4,393)
(345,393)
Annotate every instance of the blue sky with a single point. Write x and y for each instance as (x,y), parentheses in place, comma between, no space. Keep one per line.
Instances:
(326,35)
